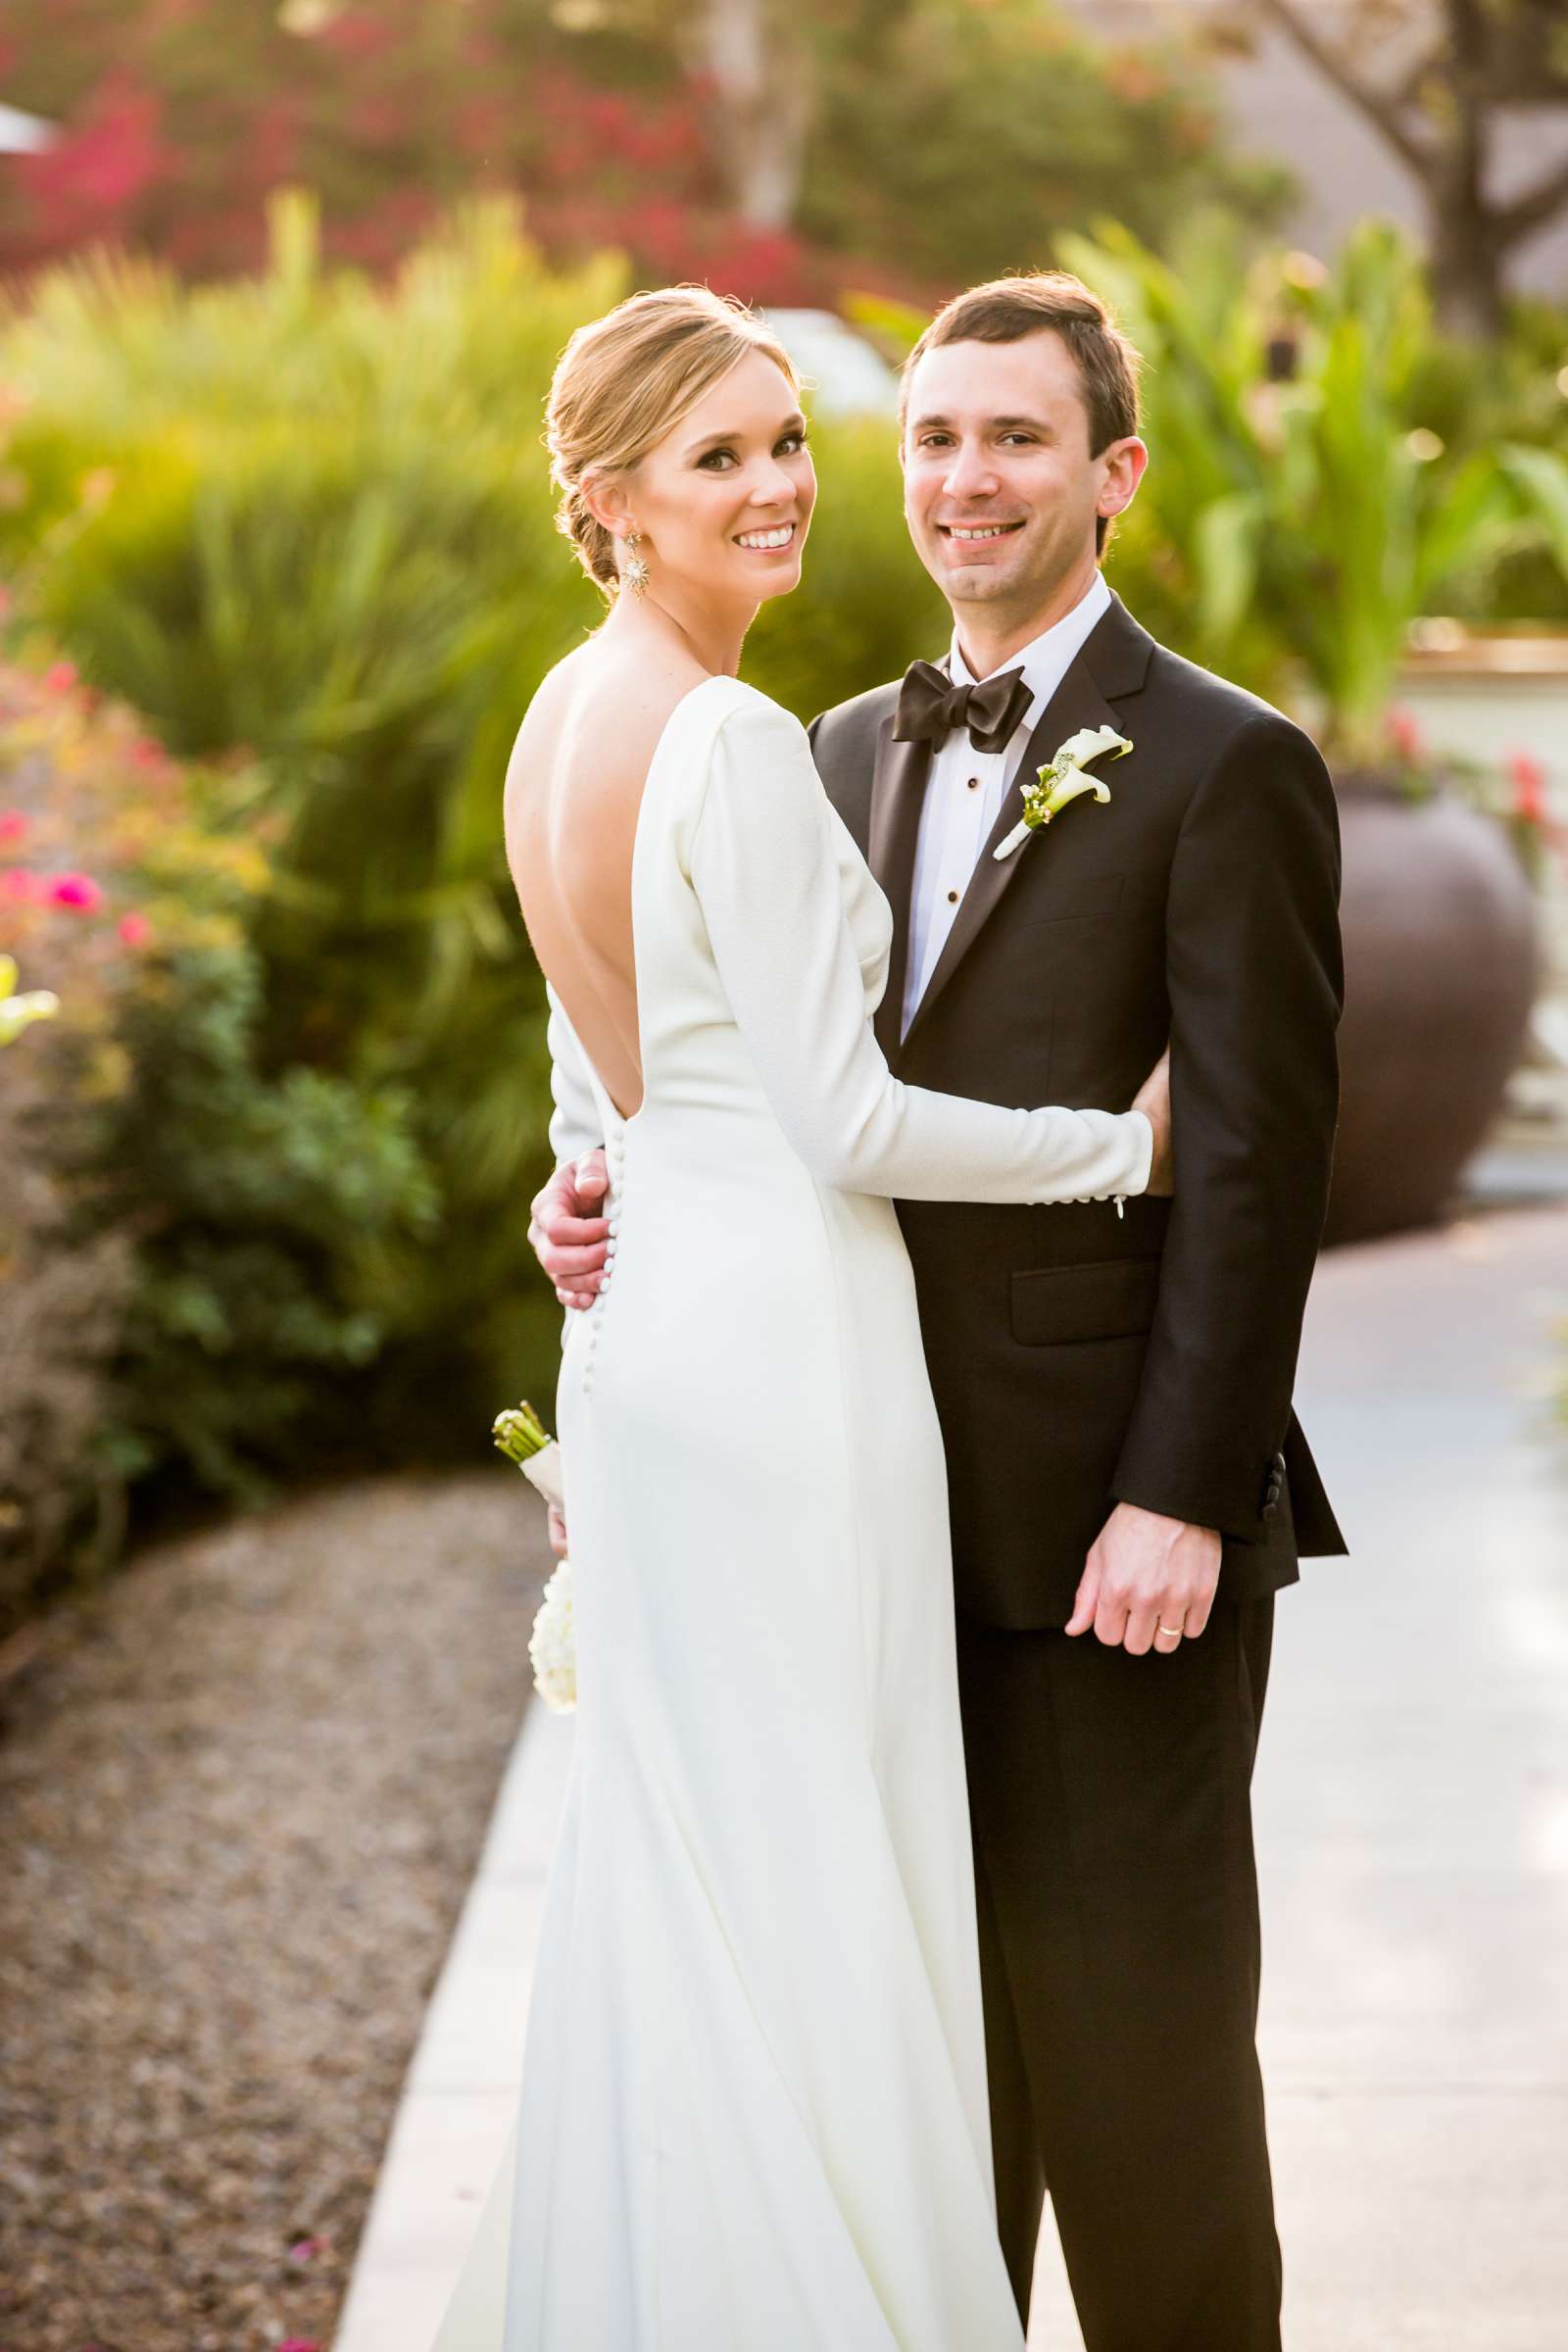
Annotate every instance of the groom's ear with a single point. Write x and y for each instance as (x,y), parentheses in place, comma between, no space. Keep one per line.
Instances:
(1125,462)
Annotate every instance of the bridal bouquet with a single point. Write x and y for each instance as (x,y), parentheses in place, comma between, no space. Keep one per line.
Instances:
(553,1644)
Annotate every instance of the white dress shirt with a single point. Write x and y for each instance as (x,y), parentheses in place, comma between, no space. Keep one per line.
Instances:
(965,789)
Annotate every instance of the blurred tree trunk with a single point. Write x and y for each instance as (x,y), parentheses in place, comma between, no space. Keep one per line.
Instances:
(763,88)
(1432,77)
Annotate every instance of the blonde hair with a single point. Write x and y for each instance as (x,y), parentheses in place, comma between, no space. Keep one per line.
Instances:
(625,381)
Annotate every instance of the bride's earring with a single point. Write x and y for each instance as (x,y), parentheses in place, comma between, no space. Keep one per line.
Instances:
(634,571)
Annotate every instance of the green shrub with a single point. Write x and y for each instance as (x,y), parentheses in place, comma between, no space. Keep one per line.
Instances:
(1301,512)
(194,1242)
(271,1214)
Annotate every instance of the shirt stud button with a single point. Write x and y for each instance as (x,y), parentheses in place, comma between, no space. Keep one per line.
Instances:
(952,898)
(975,783)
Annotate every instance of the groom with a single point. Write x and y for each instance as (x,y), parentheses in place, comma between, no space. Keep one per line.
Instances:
(1129,1486)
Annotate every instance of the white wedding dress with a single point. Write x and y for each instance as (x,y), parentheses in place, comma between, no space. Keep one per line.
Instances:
(753,2115)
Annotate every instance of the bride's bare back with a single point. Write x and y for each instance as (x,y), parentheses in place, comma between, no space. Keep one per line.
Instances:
(574,786)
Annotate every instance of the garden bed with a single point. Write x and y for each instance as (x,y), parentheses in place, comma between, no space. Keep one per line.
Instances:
(244,1790)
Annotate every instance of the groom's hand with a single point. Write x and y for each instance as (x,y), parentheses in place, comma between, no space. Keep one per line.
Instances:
(1145,1572)
(568,1233)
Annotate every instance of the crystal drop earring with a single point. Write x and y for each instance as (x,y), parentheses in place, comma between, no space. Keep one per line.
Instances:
(634,571)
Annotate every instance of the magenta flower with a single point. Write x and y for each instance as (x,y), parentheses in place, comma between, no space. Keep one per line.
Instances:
(135,930)
(1404,733)
(60,676)
(20,883)
(299,2343)
(1528,777)
(305,2249)
(13,824)
(75,890)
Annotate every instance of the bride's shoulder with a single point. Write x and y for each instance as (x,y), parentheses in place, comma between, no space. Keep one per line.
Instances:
(606,714)
(745,716)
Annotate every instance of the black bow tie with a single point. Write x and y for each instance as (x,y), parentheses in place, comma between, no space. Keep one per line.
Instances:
(930,706)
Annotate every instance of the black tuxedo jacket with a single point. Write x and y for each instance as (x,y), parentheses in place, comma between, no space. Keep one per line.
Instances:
(1080,1357)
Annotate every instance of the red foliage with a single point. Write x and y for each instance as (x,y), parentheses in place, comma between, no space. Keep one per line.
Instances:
(272,152)
(1528,777)
(85,185)
(172,143)
(358,34)
(1404,733)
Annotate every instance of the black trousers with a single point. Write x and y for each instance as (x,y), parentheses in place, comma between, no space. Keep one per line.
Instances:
(1109,1800)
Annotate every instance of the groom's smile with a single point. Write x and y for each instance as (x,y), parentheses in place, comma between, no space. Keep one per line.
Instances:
(1002,491)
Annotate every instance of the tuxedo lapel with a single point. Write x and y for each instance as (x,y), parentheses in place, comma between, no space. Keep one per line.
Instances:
(897,792)
(1117,650)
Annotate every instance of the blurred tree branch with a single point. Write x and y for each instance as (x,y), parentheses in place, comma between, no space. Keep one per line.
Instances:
(1433,78)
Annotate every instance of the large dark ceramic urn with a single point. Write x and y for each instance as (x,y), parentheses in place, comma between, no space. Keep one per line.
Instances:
(1441,966)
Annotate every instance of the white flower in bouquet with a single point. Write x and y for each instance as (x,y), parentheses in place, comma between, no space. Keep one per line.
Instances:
(553,1644)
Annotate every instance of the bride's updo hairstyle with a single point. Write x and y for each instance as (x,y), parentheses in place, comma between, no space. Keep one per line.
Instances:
(625,381)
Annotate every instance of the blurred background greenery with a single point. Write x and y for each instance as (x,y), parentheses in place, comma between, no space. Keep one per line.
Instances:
(286,285)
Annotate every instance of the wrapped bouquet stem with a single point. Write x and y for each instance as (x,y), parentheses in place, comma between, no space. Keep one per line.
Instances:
(524,1439)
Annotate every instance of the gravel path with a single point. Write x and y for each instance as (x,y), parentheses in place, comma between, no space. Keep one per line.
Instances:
(242,1794)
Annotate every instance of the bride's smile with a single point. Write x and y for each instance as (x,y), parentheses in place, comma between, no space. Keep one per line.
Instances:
(721,505)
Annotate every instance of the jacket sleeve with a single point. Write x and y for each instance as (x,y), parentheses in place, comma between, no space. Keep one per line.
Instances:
(763,862)
(1255,984)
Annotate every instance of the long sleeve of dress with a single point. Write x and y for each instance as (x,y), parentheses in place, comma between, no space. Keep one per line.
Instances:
(576,1124)
(764,864)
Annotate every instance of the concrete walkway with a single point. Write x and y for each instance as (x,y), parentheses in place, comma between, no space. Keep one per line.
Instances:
(1413,1825)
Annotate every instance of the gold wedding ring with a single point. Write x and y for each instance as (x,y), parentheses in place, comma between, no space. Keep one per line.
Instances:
(1172,1633)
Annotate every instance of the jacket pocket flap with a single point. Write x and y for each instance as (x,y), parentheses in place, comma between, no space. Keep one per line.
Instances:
(1111,1300)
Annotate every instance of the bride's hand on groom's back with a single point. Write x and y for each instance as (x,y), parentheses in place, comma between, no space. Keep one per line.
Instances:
(568,1231)
(1152,1098)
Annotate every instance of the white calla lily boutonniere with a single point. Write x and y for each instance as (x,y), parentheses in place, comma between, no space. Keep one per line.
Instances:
(1062,779)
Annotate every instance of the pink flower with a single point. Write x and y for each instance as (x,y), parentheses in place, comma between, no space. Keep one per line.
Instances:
(75,890)
(299,2343)
(1527,775)
(147,753)
(20,883)
(305,2249)
(135,930)
(60,676)
(1404,733)
(13,824)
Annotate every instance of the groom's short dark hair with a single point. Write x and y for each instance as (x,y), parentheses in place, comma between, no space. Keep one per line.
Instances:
(1006,309)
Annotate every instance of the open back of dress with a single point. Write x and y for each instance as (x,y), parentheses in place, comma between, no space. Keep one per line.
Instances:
(571,832)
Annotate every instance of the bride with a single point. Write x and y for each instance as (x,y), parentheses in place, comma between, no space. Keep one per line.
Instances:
(753,2115)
